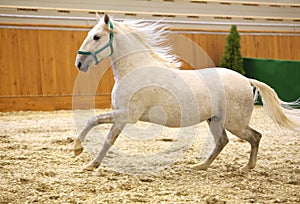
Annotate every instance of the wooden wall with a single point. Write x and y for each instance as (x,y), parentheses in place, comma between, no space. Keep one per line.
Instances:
(37,66)
(253,45)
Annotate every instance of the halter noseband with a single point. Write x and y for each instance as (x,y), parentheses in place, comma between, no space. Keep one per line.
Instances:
(109,44)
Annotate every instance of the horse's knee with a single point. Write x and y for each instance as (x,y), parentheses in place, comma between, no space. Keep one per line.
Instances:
(93,122)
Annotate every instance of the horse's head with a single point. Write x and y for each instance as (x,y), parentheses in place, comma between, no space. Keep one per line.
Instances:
(97,45)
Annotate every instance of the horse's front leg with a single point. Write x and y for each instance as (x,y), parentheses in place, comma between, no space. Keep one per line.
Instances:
(114,132)
(96,120)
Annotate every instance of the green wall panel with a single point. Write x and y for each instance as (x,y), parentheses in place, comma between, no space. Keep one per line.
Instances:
(282,75)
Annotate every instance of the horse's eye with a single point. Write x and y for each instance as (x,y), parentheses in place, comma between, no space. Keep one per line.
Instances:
(96,37)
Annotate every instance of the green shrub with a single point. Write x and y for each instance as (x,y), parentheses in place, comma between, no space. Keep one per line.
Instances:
(232,57)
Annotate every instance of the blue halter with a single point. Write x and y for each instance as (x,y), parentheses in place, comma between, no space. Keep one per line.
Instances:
(109,44)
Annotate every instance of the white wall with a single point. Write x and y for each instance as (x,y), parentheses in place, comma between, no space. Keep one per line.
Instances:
(265,15)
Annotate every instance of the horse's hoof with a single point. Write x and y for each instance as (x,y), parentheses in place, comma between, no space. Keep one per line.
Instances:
(91,166)
(199,167)
(77,147)
(88,167)
(78,151)
(244,169)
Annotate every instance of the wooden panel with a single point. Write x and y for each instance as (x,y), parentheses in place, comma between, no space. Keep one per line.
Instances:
(37,66)
(8,79)
(212,44)
(271,47)
(49,103)
(57,57)
(258,46)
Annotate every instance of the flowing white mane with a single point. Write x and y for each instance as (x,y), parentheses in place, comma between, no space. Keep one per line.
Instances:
(153,36)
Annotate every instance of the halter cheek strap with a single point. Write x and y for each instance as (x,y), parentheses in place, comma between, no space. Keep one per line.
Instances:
(109,44)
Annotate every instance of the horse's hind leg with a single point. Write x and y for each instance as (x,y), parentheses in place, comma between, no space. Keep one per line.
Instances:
(253,137)
(221,139)
(96,120)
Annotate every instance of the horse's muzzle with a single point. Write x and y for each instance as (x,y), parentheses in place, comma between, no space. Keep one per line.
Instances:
(81,63)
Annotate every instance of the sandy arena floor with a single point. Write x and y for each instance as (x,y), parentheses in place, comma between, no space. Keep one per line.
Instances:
(37,164)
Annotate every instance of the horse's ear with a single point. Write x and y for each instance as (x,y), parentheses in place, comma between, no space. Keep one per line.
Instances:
(106,19)
(98,17)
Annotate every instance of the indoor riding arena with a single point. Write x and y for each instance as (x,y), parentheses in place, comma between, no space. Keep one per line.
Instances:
(64,137)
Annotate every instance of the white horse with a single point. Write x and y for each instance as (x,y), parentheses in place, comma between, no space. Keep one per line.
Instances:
(150,87)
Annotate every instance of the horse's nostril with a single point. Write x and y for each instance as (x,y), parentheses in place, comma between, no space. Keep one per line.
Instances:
(79,65)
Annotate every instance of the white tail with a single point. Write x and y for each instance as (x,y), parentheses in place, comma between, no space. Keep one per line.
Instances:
(284,117)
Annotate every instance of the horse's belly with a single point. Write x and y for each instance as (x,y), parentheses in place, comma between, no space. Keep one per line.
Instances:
(175,114)
(174,119)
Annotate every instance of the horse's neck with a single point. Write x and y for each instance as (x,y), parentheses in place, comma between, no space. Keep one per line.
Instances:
(130,54)
(127,64)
